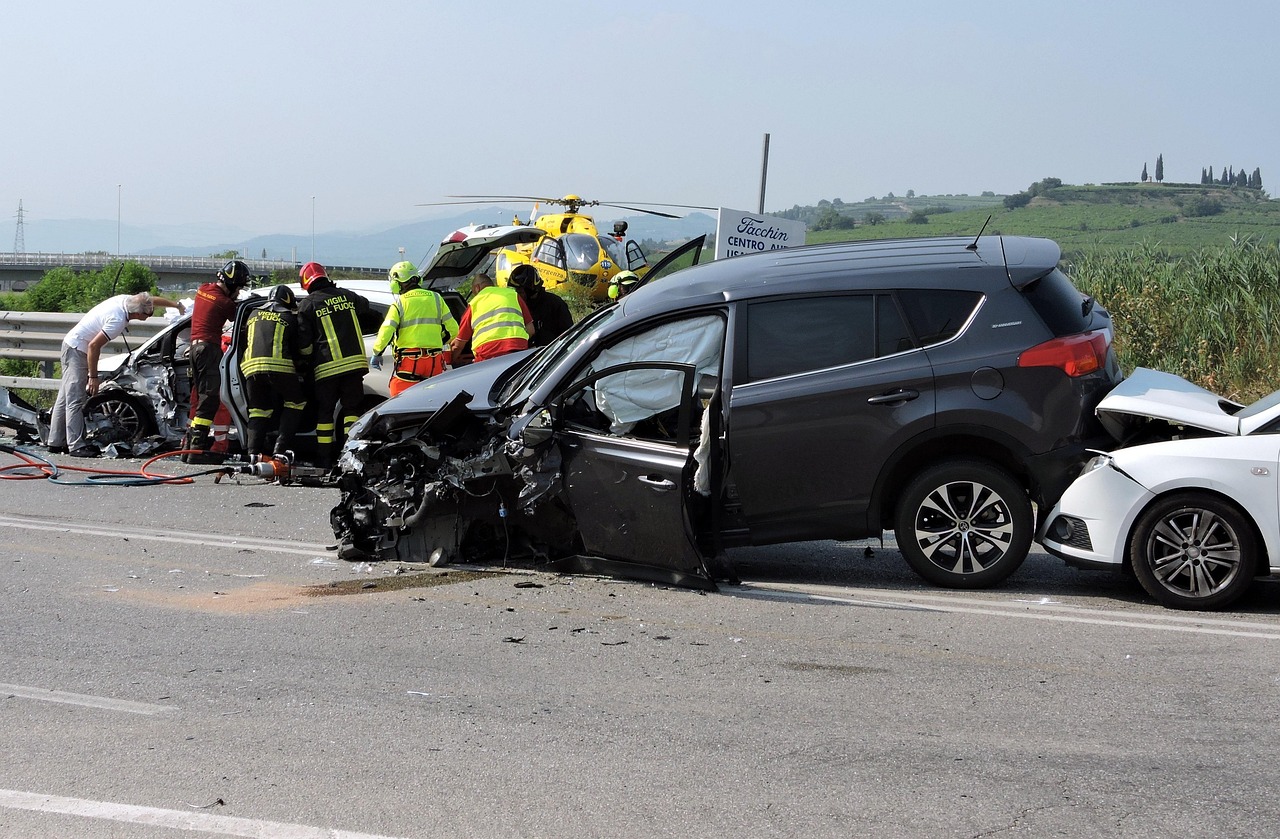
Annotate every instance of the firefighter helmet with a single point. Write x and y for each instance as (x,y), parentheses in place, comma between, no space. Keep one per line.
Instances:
(235,274)
(311,272)
(283,296)
(403,276)
(525,276)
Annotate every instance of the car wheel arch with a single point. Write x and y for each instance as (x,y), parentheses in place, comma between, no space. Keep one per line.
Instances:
(926,450)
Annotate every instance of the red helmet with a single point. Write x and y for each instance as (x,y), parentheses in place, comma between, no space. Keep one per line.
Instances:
(311,272)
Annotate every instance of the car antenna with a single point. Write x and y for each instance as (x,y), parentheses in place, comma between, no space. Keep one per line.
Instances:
(973,246)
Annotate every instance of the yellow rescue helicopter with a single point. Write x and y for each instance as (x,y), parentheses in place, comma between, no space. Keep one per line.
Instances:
(571,252)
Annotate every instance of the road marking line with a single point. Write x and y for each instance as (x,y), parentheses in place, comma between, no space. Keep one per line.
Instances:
(177,537)
(1022,609)
(65,698)
(176,819)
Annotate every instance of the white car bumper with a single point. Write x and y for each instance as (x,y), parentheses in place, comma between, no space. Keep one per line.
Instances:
(1090,524)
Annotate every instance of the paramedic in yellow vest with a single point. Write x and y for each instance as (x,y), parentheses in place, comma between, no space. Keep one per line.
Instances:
(329,333)
(270,367)
(419,324)
(496,322)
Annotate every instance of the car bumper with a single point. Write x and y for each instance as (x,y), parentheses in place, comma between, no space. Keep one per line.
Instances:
(1089,526)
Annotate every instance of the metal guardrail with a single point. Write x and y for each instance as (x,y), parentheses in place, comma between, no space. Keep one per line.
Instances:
(100,260)
(37,336)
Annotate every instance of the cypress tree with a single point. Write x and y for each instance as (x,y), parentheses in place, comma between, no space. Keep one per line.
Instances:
(1159,168)
(1144,173)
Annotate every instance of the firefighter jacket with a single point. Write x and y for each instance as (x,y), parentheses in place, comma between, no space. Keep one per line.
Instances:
(271,343)
(496,315)
(329,326)
(417,321)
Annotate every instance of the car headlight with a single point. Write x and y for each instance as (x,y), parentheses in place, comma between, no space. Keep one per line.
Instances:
(1098,461)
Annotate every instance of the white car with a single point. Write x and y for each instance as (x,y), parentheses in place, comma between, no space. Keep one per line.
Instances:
(1196,515)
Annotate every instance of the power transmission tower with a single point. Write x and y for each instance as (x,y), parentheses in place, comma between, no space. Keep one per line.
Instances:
(19,246)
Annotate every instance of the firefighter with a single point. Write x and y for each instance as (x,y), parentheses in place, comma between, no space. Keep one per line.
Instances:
(272,357)
(420,324)
(329,326)
(496,322)
(551,315)
(215,305)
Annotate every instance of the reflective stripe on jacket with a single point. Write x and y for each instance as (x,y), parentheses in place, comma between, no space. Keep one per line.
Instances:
(329,323)
(271,342)
(495,316)
(418,320)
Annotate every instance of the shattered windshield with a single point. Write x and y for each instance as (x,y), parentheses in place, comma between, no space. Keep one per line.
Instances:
(528,379)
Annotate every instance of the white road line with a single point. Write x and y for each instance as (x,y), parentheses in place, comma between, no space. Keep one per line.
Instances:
(87,701)
(1020,609)
(175,819)
(173,536)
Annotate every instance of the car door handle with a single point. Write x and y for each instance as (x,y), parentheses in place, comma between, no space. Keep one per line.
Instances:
(660,484)
(899,395)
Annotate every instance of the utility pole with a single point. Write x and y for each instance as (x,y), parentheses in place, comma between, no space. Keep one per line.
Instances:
(764,174)
(313,228)
(117,221)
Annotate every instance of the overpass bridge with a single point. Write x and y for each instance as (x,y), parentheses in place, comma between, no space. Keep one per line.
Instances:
(20,271)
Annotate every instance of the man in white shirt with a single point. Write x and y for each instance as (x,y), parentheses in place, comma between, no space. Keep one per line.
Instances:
(80,350)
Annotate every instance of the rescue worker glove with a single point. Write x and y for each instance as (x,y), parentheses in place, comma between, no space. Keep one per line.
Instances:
(375,361)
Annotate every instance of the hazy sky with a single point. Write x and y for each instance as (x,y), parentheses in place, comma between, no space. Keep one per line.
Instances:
(237,113)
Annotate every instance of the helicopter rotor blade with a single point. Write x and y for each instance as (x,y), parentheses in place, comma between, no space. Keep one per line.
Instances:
(662,204)
(640,210)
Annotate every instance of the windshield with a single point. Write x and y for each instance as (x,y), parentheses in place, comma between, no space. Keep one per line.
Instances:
(581,251)
(531,376)
(614,248)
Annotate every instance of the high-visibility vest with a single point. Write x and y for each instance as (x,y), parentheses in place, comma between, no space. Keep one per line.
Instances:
(271,342)
(496,316)
(417,321)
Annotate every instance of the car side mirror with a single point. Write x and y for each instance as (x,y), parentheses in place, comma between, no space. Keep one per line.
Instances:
(536,429)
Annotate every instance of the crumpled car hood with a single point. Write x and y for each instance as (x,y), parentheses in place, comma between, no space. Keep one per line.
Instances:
(1163,396)
(478,379)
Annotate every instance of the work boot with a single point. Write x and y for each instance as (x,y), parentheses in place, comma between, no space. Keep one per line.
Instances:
(198,441)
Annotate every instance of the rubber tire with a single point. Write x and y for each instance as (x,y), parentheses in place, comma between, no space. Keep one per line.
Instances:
(1234,580)
(136,421)
(1014,525)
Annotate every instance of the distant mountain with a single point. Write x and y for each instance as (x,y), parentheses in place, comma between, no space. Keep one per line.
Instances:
(367,250)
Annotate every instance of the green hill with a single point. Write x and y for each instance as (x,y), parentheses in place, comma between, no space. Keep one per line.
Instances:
(1178,218)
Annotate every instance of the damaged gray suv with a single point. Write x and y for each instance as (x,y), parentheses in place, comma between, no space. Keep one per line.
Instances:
(937,388)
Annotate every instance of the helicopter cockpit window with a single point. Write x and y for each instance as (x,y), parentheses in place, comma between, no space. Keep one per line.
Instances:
(581,250)
(550,253)
(614,249)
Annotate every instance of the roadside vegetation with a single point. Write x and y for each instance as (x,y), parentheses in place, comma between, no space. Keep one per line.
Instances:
(1211,316)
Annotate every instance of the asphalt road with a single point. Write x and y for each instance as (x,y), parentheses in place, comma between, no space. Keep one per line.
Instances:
(192,658)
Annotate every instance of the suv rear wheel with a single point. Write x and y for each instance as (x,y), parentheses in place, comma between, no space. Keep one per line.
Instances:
(964,524)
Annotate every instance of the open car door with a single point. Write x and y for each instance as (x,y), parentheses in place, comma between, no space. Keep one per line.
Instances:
(686,255)
(629,483)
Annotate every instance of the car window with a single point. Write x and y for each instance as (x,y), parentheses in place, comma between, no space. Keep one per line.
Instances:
(636,396)
(936,314)
(785,337)
(1059,304)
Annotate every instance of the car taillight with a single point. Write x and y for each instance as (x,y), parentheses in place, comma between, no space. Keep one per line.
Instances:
(1076,355)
